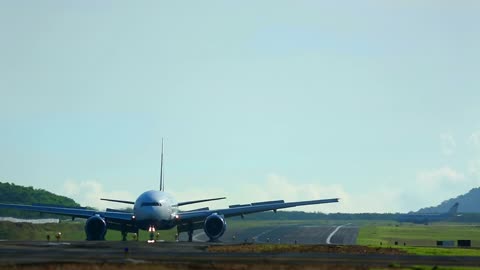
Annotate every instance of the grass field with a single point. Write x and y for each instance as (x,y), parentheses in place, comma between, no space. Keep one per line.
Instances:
(440,251)
(417,235)
(421,239)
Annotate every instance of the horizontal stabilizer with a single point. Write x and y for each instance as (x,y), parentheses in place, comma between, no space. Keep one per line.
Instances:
(119,201)
(199,201)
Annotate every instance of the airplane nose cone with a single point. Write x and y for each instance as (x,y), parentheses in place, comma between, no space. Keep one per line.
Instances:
(153,206)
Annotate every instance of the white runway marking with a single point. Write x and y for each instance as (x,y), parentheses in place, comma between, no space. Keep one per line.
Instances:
(196,237)
(334,232)
(255,238)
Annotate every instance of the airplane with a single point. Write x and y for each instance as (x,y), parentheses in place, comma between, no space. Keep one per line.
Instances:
(427,218)
(158,210)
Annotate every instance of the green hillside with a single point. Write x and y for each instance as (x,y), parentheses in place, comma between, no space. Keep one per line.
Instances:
(468,203)
(11,193)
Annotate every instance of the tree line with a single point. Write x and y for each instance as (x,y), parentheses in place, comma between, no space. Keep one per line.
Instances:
(15,194)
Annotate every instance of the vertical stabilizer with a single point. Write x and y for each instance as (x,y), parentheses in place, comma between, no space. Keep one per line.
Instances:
(453,210)
(162,183)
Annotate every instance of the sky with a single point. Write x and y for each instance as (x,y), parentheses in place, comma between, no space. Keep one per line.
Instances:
(374,102)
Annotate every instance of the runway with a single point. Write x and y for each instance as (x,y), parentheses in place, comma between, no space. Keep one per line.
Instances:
(321,247)
(341,234)
(199,256)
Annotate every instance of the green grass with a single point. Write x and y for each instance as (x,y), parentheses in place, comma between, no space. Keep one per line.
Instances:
(439,251)
(421,239)
(417,235)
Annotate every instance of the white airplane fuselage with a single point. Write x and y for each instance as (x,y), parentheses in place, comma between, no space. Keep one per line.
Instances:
(155,208)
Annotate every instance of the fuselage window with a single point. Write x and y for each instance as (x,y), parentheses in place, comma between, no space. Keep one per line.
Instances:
(151,204)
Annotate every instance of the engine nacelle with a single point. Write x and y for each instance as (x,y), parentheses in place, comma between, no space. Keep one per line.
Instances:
(214,226)
(95,228)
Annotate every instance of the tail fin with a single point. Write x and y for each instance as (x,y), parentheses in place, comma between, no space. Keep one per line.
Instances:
(162,183)
(453,210)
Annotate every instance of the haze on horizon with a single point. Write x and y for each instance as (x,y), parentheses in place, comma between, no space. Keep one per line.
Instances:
(375,102)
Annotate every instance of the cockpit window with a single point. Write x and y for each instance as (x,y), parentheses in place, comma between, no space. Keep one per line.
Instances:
(151,204)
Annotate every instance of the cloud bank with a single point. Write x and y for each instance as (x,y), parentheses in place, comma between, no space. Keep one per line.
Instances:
(88,193)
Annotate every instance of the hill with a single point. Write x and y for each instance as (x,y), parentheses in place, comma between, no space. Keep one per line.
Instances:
(11,193)
(469,203)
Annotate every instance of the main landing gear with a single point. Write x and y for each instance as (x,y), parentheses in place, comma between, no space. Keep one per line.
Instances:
(124,230)
(186,228)
(190,236)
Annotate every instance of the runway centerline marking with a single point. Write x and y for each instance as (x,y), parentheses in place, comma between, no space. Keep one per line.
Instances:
(334,232)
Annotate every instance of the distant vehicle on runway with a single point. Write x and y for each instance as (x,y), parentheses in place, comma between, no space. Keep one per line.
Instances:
(428,218)
(157,210)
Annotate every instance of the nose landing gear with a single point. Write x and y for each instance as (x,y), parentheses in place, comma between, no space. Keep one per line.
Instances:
(151,232)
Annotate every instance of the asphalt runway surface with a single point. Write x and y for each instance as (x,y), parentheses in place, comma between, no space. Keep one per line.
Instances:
(196,256)
(341,234)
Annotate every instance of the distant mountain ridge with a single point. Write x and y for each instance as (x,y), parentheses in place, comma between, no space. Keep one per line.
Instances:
(469,203)
(11,193)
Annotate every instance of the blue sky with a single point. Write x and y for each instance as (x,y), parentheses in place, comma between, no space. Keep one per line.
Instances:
(375,102)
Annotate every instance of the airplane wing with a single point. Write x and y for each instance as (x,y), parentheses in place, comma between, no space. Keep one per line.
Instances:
(240,210)
(73,212)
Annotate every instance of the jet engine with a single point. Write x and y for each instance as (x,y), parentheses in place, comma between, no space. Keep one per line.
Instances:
(95,228)
(214,226)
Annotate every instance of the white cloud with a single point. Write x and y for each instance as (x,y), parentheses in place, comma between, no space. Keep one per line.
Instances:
(272,187)
(88,193)
(474,139)
(381,199)
(474,167)
(429,187)
(436,185)
(447,143)
(439,177)
(279,187)
(276,187)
